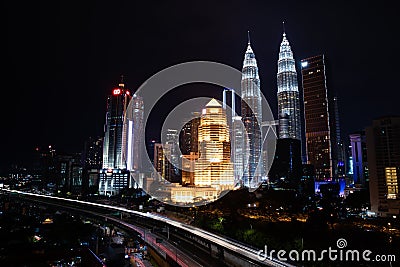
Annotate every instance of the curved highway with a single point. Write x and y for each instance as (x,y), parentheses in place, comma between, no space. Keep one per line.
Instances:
(228,244)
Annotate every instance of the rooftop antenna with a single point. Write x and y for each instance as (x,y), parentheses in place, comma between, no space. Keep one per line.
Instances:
(248,37)
(122,81)
(283,24)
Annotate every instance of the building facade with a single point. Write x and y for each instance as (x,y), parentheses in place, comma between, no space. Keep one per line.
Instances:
(115,128)
(251,113)
(213,167)
(118,144)
(238,141)
(162,165)
(359,158)
(286,169)
(92,159)
(320,123)
(383,152)
(133,148)
(288,93)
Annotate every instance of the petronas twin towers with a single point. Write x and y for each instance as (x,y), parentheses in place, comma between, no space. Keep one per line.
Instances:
(288,93)
(251,108)
(251,118)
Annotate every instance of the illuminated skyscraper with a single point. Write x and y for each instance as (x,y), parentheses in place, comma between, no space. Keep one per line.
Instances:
(133,135)
(252,118)
(238,142)
(118,143)
(172,141)
(114,130)
(321,121)
(185,138)
(214,167)
(288,93)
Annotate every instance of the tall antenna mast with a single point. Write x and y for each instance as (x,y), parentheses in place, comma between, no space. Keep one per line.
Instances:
(283,24)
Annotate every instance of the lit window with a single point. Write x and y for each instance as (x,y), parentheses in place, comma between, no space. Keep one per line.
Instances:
(391,182)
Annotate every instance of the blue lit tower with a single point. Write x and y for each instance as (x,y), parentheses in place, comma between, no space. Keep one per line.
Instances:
(252,118)
(288,93)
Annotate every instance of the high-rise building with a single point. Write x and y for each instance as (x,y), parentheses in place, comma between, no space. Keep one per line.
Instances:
(92,156)
(252,118)
(162,165)
(165,159)
(208,174)
(133,148)
(114,128)
(359,158)
(158,159)
(118,132)
(173,158)
(150,149)
(68,172)
(185,138)
(286,169)
(188,136)
(338,147)
(383,153)
(320,122)
(44,166)
(288,93)
(214,167)
(92,161)
(238,145)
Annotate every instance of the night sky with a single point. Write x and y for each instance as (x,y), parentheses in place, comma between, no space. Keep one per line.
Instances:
(64,57)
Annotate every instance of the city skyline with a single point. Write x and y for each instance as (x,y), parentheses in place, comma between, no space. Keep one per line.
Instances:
(71,82)
(155,134)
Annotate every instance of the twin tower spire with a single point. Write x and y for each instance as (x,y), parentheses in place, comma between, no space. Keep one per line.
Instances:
(251,108)
(287,85)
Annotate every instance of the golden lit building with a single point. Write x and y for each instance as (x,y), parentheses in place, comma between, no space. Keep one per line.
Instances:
(208,173)
(214,167)
(192,194)
(391,182)
(188,162)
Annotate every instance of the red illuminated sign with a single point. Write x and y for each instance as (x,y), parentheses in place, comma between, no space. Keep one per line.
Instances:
(116,91)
